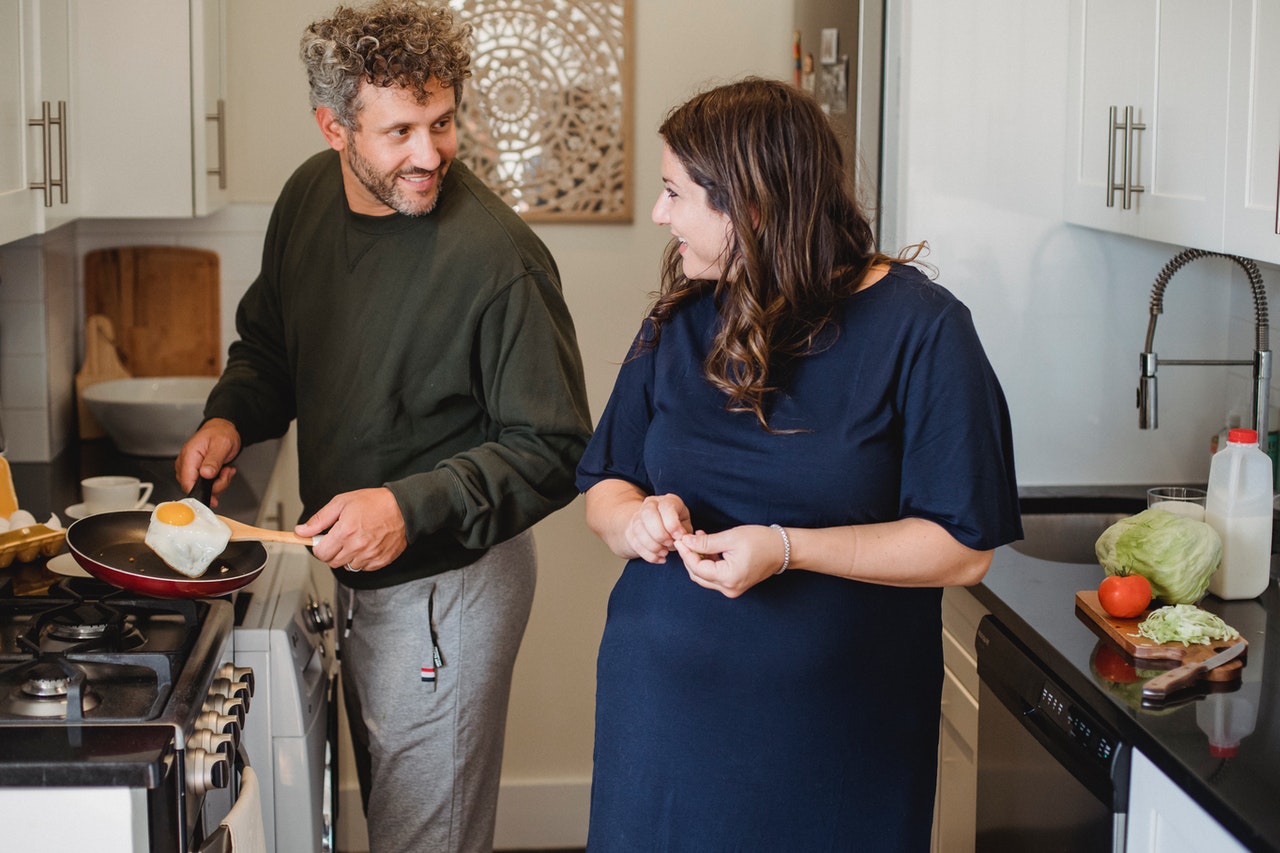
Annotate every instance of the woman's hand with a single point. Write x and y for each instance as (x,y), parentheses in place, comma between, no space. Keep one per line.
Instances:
(634,524)
(734,560)
(656,527)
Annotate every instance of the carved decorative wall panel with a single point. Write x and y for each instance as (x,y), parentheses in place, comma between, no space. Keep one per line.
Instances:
(546,120)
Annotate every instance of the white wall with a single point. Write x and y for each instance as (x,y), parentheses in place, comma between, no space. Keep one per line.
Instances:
(976,160)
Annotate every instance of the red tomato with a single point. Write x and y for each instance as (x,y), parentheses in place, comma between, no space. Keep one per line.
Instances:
(1124,596)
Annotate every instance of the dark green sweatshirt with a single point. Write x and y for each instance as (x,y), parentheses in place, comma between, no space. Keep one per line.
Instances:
(433,355)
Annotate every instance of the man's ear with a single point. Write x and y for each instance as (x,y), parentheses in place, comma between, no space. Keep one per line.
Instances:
(334,133)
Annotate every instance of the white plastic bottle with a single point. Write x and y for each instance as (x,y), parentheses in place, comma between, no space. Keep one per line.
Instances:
(1238,507)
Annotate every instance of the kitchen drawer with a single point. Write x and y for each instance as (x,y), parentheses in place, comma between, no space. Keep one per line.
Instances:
(960,664)
(961,613)
(960,710)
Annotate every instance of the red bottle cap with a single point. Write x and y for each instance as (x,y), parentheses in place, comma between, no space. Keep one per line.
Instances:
(1239,435)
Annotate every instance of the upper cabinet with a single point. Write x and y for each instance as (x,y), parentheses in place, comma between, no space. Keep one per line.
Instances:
(36,191)
(1253,147)
(1173,124)
(151,77)
(1147,118)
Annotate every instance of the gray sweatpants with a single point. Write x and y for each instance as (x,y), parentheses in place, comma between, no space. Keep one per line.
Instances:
(429,752)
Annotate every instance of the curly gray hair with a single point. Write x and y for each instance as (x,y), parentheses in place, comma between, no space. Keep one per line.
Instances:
(389,43)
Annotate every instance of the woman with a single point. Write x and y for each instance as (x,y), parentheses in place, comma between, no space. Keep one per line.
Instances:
(804,445)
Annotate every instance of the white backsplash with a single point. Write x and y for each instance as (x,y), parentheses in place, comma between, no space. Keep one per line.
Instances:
(37,344)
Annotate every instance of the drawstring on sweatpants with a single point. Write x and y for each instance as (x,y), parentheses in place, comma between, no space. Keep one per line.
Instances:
(429,669)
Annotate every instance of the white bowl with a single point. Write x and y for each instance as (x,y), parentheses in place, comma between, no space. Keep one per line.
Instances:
(149,415)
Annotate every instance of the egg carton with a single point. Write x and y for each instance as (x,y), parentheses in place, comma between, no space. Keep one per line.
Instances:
(27,543)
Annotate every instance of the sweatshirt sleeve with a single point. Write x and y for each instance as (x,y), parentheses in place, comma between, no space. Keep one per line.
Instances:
(530,384)
(255,391)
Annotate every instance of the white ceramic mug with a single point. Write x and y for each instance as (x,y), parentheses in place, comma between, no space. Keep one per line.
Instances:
(114,492)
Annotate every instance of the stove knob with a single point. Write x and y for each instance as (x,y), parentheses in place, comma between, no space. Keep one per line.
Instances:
(233,673)
(227,706)
(235,689)
(206,770)
(319,616)
(220,724)
(211,741)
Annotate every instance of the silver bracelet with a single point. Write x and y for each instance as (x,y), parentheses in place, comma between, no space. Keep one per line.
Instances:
(786,548)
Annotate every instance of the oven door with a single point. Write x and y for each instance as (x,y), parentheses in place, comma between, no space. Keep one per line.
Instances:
(1051,776)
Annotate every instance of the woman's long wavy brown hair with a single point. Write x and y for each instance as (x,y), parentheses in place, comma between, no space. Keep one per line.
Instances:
(769,159)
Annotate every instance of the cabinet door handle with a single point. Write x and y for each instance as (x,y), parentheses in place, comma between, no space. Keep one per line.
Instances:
(220,119)
(1277,222)
(1125,185)
(47,123)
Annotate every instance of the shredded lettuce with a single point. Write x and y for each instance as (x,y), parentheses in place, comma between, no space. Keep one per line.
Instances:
(1186,624)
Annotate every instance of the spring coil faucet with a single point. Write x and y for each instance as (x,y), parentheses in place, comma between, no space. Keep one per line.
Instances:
(1261,362)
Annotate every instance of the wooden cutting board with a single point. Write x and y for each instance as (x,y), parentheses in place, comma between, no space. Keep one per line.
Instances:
(1124,633)
(163,303)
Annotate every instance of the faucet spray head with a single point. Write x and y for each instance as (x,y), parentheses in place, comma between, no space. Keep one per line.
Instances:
(1147,392)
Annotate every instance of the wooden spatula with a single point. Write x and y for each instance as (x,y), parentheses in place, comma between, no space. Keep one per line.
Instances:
(241,532)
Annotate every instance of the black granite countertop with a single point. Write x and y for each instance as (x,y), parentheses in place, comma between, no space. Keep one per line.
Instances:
(1036,600)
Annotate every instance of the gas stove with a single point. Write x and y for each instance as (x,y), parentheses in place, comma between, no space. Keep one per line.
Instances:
(111,697)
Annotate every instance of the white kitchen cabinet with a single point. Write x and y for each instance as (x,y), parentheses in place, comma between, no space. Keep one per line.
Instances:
(1163,819)
(15,214)
(1253,140)
(35,193)
(1147,117)
(151,77)
(956,800)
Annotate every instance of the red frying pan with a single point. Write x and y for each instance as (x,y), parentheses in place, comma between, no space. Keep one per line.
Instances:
(111,546)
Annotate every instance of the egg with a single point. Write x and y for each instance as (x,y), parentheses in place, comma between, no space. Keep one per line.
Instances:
(20,519)
(186,535)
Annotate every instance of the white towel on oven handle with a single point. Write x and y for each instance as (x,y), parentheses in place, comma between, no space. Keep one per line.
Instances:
(244,821)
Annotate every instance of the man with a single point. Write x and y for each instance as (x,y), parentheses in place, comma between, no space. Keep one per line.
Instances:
(415,328)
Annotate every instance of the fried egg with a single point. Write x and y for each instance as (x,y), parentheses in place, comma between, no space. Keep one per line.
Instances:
(187,535)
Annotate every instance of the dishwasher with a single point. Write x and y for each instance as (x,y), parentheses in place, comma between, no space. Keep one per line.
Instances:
(1052,776)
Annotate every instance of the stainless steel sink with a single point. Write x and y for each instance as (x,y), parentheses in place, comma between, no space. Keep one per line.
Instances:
(1064,537)
(1064,525)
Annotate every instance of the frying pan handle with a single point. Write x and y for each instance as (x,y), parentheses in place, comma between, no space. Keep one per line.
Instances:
(202,490)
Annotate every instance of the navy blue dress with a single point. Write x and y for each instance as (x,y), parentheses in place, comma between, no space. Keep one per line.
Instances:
(802,716)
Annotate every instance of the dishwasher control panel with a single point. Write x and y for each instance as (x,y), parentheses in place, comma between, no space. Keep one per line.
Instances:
(1086,734)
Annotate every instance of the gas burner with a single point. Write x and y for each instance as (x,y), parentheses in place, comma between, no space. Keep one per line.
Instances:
(44,690)
(46,679)
(90,621)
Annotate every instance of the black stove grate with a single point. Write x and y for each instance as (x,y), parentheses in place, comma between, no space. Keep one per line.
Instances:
(121,651)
